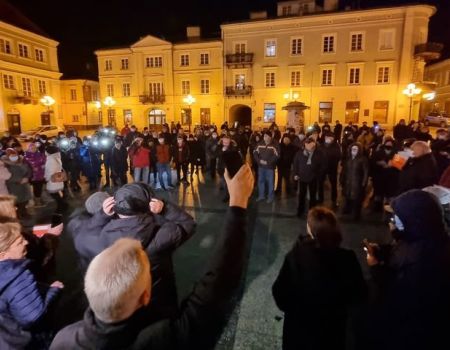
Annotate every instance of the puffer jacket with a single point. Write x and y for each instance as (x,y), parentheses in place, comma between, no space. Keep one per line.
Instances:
(53,165)
(37,162)
(160,235)
(140,156)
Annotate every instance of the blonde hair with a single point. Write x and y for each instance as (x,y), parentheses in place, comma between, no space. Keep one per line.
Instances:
(9,232)
(7,206)
(116,278)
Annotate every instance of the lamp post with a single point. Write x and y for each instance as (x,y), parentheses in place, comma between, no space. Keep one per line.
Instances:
(47,101)
(291,95)
(411,91)
(109,101)
(189,100)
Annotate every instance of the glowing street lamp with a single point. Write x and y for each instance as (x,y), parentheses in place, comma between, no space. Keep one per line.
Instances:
(47,101)
(291,95)
(189,100)
(109,101)
(411,91)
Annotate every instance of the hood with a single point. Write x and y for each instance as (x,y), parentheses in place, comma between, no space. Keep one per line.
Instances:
(141,227)
(421,214)
(9,270)
(360,149)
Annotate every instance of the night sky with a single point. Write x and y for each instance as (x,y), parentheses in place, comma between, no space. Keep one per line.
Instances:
(93,24)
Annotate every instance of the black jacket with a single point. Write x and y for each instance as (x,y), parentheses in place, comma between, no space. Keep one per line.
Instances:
(354,175)
(160,235)
(118,160)
(315,288)
(309,172)
(287,154)
(332,154)
(418,173)
(201,316)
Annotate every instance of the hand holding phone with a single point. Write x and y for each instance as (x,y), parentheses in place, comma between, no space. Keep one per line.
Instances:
(233,162)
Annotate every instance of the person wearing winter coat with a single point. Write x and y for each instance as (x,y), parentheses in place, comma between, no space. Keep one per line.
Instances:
(332,155)
(402,132)
(287,154)
(119,163)
(441,150)
(196,153)
(212,150)
(202,315)
(4,176)
(354,177)
(140,158)
(53,165)
(411,309)
(266,154)
(318,286)
(70,157)
(164,157)
(90,164)
(337,131)
(18,183)
(23,301)
(181,158)
(36,160)
(309,166)
(160,226)
(420,170)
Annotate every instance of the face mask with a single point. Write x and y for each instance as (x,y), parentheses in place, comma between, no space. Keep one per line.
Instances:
(133,130)
(328,141)
(161,141)
(118,145)
(214,136)
(301,137)
(354,152)
(37,144)
(13,158)
(86,143)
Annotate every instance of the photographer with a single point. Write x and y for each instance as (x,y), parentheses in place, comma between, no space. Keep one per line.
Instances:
(412,308)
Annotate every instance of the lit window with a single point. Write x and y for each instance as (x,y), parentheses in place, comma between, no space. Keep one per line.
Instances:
(387,37)
(269,112)
(271,48)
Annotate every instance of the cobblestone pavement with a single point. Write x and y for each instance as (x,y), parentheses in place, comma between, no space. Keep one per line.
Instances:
(256,323)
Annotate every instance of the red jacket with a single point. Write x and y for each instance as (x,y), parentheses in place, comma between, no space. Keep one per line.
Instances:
(140,156)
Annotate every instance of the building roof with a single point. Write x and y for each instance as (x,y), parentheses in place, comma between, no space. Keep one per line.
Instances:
(11,15)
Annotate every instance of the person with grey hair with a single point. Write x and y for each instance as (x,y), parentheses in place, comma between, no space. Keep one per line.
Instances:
(117,289)
(420,170)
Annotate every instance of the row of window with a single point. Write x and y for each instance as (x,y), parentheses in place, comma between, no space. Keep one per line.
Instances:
(23,50)
(327,77)
(157,62)
(156,88)
(329,44)
(9,83)
(352,112)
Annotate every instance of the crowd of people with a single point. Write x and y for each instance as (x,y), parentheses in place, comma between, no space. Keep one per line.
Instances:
(125,237)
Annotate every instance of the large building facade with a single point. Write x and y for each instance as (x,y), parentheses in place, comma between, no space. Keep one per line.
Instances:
(440,74)
(29,70)
(350,65)
(149,81)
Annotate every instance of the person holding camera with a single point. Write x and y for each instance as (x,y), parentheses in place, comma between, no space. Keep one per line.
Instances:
(412,307)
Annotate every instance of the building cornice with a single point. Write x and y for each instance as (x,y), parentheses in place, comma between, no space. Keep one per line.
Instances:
(29,35)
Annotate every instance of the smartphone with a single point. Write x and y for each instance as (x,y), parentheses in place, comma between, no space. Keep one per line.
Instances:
(233,162)
(57,219)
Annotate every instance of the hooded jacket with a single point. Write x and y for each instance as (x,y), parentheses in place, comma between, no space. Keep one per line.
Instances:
(20,296)
(53,165)
(160,235)
(413,307)
(355,174)
(37,162)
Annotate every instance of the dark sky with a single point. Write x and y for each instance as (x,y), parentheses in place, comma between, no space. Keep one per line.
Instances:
(93,24)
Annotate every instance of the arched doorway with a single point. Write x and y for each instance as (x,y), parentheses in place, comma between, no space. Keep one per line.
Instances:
(241,114)
(156,118)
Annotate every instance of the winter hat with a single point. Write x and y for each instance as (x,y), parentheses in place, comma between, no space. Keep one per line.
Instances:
(421,215)
(133,199)
(94,203)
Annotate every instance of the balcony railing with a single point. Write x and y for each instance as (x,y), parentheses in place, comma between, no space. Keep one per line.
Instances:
(428,51)
(236,92)
(152,98)
(239,59)
(25,98)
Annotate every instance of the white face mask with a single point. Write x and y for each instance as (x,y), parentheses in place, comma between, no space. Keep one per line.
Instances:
(13,158)
(328,140)
(161,141)
(301,137)
(355,152)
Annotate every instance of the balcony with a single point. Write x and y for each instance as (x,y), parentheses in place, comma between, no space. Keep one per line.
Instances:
(233,91)
(428,51)
(152,98)
(25,98)
(239,59)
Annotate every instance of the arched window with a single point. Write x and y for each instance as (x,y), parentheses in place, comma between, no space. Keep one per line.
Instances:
(156,117)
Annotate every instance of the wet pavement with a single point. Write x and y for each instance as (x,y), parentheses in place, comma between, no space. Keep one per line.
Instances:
(256,323)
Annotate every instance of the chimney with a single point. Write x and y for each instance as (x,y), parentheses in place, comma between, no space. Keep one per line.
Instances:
(330,5)
(193,32)
(258,15)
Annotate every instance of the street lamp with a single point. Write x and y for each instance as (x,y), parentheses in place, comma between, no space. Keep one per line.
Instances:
(291,95)
(189,100)
(47,101)
(109,101)
(411,91)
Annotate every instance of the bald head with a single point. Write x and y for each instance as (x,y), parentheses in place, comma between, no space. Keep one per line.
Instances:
(118,281)
(420,148)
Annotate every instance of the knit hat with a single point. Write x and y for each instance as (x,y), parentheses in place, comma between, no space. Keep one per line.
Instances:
(94,203)
(133,199)
(421,215)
